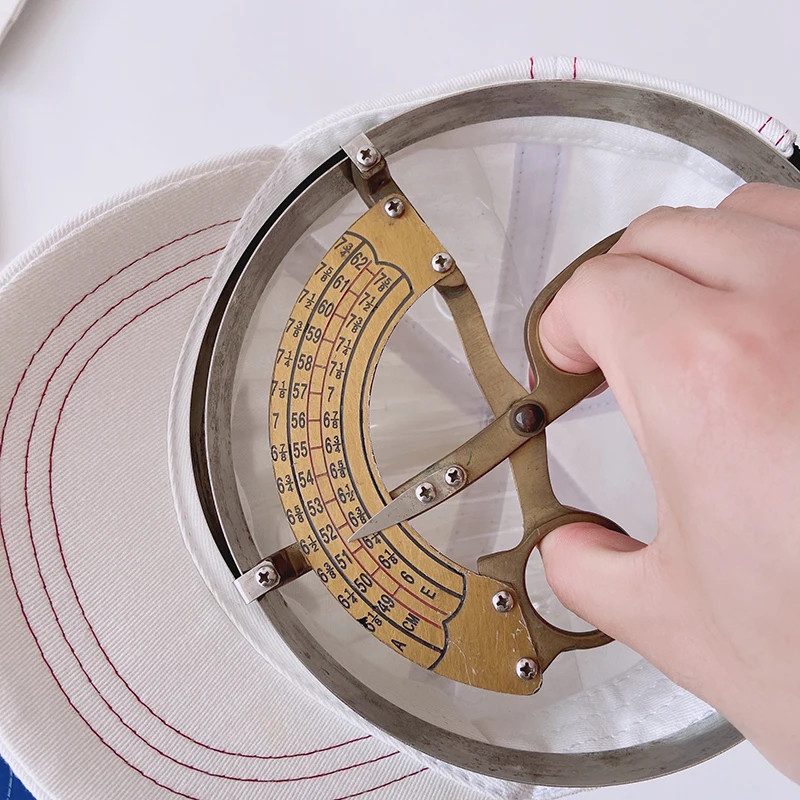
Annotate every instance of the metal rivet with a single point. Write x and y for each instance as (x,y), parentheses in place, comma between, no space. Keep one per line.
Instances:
(442,262)
(527,669)
(394,207)
(503,601)
(529,418)
(268,576)
(425,492)
(454,476)
(367,156)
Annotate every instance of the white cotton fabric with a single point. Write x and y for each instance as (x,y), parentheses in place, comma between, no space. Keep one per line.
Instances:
(123,671)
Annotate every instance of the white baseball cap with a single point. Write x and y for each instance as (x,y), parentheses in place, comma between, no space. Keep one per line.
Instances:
(130,666)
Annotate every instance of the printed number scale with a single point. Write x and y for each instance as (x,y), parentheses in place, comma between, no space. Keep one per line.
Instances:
(352,532)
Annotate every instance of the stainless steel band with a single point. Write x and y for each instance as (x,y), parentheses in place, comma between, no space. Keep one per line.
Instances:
(731,144)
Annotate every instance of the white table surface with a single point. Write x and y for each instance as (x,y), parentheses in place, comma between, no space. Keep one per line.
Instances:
(97,96)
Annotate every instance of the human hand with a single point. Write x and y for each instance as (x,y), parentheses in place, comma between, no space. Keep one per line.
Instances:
(694,317)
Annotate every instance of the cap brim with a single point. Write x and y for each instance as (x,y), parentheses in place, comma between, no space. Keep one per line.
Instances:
(120,674)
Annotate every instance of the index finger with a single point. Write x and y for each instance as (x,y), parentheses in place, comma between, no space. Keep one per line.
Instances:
(604,311)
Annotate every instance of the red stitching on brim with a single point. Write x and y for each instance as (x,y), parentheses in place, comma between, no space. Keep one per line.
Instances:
(52,606)
(2,437)
(47,663)
(16,588)
(383,785)
(66,567)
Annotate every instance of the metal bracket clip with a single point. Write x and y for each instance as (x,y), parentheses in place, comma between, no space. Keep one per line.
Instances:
(280,568)
(369,171)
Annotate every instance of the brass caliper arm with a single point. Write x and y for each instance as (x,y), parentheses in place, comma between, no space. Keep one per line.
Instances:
(521,417)
(502,391)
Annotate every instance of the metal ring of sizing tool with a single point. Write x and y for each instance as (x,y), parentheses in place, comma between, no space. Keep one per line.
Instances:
(729,143)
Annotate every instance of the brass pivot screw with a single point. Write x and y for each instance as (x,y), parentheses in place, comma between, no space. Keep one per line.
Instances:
(529,418)
(527,669)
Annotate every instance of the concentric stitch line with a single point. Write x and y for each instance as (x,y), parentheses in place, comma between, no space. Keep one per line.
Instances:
(383,785)
(2,535)
(39,645)
(162,753)
(24,374)
(60,546)
(88,677)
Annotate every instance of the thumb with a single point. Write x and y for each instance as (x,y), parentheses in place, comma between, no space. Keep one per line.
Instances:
(602,576)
